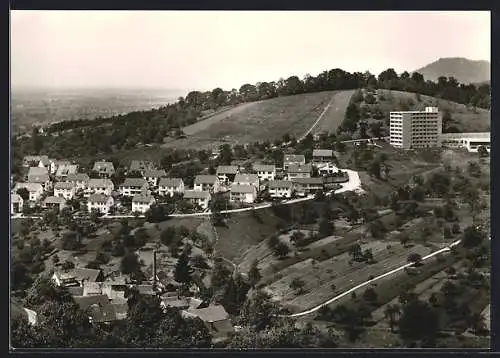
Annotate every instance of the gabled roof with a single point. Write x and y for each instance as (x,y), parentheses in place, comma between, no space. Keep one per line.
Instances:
(307,168)
(290,158)
(146,199)
(213,313)
(54,200)
(312,181)
(155,173)
(64,185)
(86,301)
(66,169)
(103,166)
(38,178)
(135,182)
(31,187)
(34,171)
(227,169)
(80,273)
(264,167)
(140,165)
(205,179)
(274,184)
(322,153)
(99,183)
(78,177)
(243,189)
(98,198)
(194,194)
(246,178)
(170,182)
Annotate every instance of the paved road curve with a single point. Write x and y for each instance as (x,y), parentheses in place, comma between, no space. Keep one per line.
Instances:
(314,309)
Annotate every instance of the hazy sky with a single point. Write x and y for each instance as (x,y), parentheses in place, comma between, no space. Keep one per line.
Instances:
(206,49)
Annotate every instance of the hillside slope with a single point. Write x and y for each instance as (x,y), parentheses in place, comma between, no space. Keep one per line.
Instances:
(464,118)
(464,70)
(269,120)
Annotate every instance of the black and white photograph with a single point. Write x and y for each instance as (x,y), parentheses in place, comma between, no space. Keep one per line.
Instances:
(250,179)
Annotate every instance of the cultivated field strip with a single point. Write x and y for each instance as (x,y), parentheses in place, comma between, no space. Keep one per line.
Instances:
(318,281)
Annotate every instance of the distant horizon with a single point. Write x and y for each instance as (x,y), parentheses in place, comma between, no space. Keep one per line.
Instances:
(177,90)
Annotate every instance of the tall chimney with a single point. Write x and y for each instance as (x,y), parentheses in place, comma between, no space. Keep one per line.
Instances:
(154,270)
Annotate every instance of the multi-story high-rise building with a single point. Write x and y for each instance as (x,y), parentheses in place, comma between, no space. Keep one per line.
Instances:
(416,129)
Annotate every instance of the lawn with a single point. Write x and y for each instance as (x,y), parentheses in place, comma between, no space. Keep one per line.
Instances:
(268,120)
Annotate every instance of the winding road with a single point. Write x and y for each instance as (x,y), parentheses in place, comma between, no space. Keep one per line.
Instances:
(363,284)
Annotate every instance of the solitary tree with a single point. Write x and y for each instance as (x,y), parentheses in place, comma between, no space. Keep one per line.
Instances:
(415,258)
(391,313)
(254,275)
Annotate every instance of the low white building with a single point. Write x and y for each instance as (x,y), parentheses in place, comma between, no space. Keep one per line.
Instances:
(99,186)
(101,203)
(35,190)
(197,197)
(80,180)
(142,203)
(208,183)
(226,173)
(322,156)
(328,169)
(299,171)
(243,193)
(65,190)
(16,203)
(265,171)
(153,176)
(293,159)
(247,179)
(64,170)
(469,141)
(280,189)
(133,186)
(170,186)
(54,202)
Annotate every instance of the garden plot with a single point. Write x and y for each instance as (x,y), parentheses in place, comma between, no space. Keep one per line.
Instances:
(324,280)
(429,285)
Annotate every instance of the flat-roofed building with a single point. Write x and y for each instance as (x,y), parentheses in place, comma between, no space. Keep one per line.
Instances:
(416,129)
(469,141)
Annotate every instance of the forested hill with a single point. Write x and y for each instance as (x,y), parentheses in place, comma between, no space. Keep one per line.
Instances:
(107,135)
(464,70)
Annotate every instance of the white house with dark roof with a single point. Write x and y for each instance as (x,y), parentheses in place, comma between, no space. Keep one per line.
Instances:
(39,175)
(170,186)
(35,190)
(243,193)
(54,202)
(80,180)
(327,169)
(280,189)
(322,156)
(293,159)
(265,171)
(133,186)
(104,169)
(77,276)
(101,203)
(64,170)
(206,183)
(247,179)
(65,190)
(142,203)
(153,176)
(306,186)
(99,186)
(198,197)
(226,173)
(299,171)
(16,203)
